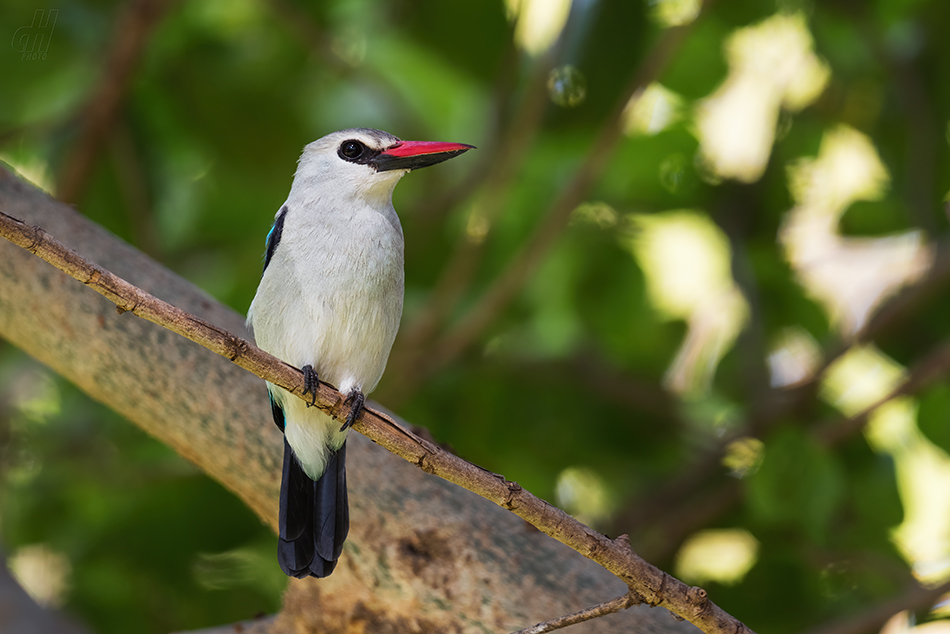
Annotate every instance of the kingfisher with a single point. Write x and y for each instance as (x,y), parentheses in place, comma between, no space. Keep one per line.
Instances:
(329,302)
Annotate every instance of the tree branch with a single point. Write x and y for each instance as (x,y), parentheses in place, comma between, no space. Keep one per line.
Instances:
(421,553)
(655,587)
(523,265)
(607,607)
(132,30)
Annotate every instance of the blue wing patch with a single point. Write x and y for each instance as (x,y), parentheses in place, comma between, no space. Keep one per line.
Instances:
(273,236)
(277,412)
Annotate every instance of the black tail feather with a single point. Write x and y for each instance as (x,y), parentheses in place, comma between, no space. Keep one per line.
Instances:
(314,516)
(331,508)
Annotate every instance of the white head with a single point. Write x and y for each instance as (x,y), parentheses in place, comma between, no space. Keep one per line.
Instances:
(365,163)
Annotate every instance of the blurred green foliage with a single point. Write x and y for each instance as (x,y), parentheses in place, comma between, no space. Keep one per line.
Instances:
(571,373)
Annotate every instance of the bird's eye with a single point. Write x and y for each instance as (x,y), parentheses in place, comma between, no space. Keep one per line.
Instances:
(351,149)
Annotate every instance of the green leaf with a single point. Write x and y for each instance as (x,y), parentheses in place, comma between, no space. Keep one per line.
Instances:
(933,415)
(799,485)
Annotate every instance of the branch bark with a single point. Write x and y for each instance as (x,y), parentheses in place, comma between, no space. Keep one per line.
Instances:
(607,607)
(232,452)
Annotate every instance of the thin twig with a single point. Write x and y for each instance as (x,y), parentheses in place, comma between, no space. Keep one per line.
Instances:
(601,609)
(615,555)
(523,265)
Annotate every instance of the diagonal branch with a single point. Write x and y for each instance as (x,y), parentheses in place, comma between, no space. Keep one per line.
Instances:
(215,415)
(132,31)
(650,584)
(504,289)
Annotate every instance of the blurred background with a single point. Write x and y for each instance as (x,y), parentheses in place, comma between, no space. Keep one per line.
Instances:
(690,287)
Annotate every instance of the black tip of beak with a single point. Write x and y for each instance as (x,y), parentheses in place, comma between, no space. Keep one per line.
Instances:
(410,155)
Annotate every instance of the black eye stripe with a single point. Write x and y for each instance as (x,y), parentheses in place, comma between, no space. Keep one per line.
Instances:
(355,151)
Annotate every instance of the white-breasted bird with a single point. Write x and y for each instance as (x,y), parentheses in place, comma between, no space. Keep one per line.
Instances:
(329,302)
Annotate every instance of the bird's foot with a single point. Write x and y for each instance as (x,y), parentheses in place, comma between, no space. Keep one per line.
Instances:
(311,384)
(358,399)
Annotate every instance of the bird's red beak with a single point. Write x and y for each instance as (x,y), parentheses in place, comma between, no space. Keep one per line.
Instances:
(409,155)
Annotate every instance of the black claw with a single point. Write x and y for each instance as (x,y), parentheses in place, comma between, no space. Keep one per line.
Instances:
(358,399)
(311,384)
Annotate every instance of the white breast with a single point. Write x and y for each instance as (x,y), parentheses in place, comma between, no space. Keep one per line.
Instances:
(332,295)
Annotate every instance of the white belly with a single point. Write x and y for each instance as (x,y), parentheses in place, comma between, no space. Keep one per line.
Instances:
(336,305)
